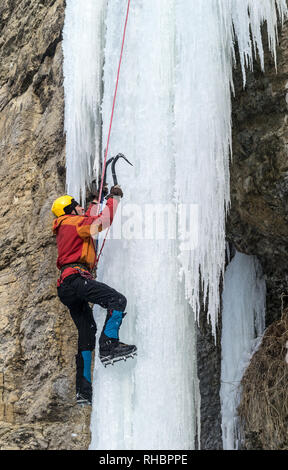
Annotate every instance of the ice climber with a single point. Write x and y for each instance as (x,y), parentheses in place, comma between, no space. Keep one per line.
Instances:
(77,287)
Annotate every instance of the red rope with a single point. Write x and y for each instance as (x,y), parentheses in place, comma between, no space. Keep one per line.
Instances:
(113,107)
(110,127)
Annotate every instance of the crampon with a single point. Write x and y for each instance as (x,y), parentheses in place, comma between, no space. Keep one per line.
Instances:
(118,352)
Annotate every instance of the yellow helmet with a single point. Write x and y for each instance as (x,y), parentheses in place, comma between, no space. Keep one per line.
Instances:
(63,205)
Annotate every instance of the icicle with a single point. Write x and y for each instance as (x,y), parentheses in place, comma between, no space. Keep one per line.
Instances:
(158,319)
(202,139)
(205,37)
(83,62)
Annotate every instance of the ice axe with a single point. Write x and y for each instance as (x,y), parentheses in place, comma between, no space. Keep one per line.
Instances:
(115,160)
(112,160)
(105,177)
(94,189)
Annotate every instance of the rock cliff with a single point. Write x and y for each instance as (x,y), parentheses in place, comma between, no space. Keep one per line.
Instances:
(258,220)
(258,225)
(38,338)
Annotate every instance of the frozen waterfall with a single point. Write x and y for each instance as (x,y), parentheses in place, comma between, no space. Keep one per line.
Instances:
(243,323)
(173,121)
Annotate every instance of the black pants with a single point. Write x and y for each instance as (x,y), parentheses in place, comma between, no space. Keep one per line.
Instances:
(75,292)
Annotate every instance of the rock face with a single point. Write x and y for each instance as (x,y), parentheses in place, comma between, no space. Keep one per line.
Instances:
(38,337)
(258,225)
(209,374)
(258,221)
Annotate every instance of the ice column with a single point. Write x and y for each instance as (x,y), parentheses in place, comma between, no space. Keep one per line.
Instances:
(153,401)
(83,45)
(206,32)
(243,322)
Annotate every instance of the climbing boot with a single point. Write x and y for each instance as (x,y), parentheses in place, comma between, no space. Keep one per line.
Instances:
(84,392)
(112,350)
(83,378)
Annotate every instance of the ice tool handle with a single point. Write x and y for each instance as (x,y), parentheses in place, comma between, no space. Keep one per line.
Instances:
(105,177)
(94,182)
(115,160)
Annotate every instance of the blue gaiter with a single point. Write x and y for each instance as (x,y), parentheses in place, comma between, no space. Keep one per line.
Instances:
(113,324)
(87,356)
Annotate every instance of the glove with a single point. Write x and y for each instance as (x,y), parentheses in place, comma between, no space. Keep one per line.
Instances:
(116,192)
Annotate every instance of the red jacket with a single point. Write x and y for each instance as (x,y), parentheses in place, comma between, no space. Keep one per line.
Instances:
(74,236)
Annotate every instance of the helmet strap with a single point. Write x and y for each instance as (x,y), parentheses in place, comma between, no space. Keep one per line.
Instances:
(69,209)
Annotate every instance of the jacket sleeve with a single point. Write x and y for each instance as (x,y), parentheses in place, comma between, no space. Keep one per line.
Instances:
(91,224)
